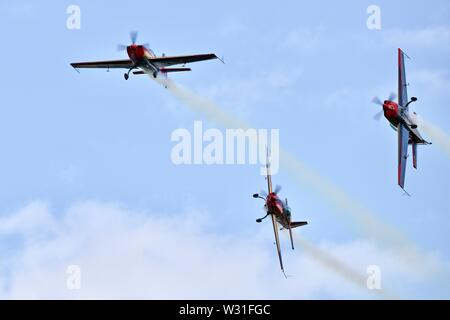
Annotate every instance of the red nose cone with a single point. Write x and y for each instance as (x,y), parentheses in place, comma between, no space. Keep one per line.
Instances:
(139,52)
(390,109)
(135,52)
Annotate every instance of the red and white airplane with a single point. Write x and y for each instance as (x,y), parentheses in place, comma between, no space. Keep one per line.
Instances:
(401,120)
(278,210)
(143,58)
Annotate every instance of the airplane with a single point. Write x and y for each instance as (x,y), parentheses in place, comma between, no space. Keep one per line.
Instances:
(400,119)
(279,211)
(143,58)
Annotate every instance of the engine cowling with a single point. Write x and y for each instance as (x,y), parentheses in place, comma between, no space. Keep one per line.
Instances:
(390,109)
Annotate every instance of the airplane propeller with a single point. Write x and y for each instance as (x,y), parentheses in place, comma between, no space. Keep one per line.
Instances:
(277,189)
(378,101)
(392,96)
(133,37)
(378,115)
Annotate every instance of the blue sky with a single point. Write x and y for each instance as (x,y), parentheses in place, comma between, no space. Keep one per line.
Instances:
(71,140)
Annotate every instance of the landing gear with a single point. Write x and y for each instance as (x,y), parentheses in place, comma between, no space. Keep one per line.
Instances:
(261,219)
(155,74)
(127,75)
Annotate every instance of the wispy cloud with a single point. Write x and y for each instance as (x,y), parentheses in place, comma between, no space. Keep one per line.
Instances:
(128,254)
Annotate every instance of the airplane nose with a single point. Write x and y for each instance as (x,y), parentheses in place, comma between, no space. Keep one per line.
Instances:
(139,52)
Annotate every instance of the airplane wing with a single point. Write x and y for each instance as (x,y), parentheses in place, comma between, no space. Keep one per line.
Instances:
(403,137)
(277,240)
(402,92)
(124,64)
(169,61)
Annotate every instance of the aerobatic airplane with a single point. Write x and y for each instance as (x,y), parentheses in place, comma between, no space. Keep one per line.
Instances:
(279,211)
(399,117)
(143,58)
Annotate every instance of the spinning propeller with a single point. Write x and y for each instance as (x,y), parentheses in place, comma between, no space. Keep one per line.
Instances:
(263,194)
(378,101)
(133,37)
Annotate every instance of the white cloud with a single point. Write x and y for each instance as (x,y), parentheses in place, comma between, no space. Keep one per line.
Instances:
(30,220)
(128,254)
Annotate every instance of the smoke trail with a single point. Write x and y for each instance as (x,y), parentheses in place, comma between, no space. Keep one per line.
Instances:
(364,220)
(361,216)
(435,133)
(199,104)
(330,262)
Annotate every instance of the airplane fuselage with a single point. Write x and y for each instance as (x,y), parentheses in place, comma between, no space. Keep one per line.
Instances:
(140,57)
(277,207)
(394,115)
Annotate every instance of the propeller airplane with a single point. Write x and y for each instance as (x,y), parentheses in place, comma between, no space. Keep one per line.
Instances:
(278,210)
(143,58)
(400,119)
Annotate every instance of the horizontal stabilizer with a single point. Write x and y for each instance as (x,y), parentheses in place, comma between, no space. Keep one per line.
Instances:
(174,69)
(296,224)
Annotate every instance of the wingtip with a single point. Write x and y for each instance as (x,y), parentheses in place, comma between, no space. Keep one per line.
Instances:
(73,66)
(222,59)
(405,192)
(400,51)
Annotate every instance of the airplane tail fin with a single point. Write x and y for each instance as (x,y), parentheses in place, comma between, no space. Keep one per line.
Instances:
(295,224)
(414,152)
(292,240)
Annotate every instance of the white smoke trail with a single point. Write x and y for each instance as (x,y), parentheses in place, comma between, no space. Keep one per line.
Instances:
(202,105)
(357,213)
(364,219)
(338,266)
(436,134)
